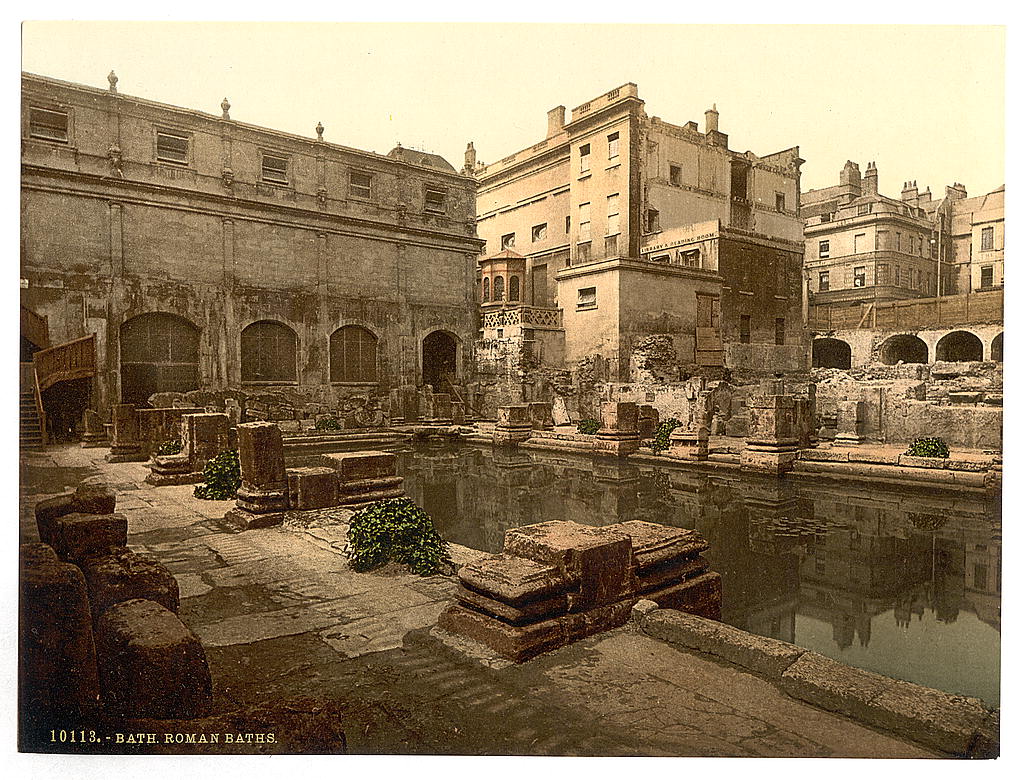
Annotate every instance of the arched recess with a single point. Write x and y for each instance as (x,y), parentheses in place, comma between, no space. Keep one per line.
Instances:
(513,288)
(159,353)
(830,353)
(903,348)
(997,348)
(440,360)
(269,353)
(486,289)
(353,355)
(958,347)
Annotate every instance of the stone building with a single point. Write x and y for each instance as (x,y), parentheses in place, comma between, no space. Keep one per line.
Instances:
(628,227)
(197,251)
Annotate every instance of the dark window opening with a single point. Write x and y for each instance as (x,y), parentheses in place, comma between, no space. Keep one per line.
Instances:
(744,329)
(353,355)
(275,169)
(269,351)
(159,354)
(48,125)
(172,148)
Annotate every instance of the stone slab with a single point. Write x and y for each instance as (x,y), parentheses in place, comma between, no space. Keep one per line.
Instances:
(366,464)
(77,537)
(511,579)
(87,498)
(701,595)
(125,575)
(312,487)
(654,544)
(527,612)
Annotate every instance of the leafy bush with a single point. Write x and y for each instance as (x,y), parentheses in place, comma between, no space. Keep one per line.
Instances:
(396,529)
(169,447)
(661,435)
(931,447)
(588,426)
(328,424)
(222,476)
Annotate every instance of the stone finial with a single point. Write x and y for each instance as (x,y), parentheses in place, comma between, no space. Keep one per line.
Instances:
(112,78)
(319,131)
(225,106)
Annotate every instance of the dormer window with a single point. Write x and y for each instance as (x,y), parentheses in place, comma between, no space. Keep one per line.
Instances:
(48,125)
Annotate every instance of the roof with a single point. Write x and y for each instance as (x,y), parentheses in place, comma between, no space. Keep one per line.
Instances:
(417,157)
(506,254)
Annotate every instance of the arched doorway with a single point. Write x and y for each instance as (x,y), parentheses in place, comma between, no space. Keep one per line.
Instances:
(903,348)
(997,348)
(830,353)
(159,354)
(439,361)
(958,347)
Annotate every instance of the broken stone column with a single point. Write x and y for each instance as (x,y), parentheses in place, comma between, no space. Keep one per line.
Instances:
(365,476)
(93,432)
(850,422)
(263,494)
(150,664)
(233,410)
(125,446)
(771,446)
(806,415)
(514,425)
(89,498)
(124,575)
(648,421)
(312,487)
(56,655)
(203,436)
(692,441)
(77,537)
(619,434)
(540,416)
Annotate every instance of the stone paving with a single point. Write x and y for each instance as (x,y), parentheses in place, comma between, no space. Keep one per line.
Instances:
(281,615)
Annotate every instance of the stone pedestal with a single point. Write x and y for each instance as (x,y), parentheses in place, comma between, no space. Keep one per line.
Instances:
(441,408)
(312,487)
(513,426)
(203,436)
(263,495)
(365,476)
(648,421)
(125,446)
(93,432)
(172,470)
(850,419)
(619,434)
(458,413)
(689,444)
(540,416)
(771,443)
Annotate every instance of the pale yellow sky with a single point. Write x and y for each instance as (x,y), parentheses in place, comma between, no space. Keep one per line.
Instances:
(925,103)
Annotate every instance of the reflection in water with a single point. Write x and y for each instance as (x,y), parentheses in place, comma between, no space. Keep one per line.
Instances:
(906,584)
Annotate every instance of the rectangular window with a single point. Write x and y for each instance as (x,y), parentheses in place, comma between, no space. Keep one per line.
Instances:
(584,222)
(987,236)
(859,276)
(274,169)
(882,273)
(780,330)
(744,329)
(585,158)
(920,246)
(823,249)
(613,214)
(587,298)
(689,258)
(583,252)
(822,281)
(539,232)
(987,277)
(863,208)
(508,241)
(611,246)
(613,146)
(653,221)
(826,217)
(568,224)
(660,259)
(172,147)
(780,201)
(675,175)
(359,185)
(860,243)
(882,239)
(48,125)
(434,200)
(899,242)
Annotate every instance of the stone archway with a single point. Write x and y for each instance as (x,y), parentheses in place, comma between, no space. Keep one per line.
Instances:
(159,353)
(997,348)
(830,353)
(958,347)
(904,348)
(440,361)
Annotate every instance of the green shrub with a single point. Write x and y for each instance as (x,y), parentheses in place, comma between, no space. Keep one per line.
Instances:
(661,435)
(396,529)
(588,426)
(931,447)
(328,424)
(169,447)
(221,476)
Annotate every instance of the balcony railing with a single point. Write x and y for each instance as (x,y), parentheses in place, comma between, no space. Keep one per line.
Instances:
(527,316)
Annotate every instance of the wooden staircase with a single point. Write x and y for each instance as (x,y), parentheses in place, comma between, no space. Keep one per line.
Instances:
(30,434)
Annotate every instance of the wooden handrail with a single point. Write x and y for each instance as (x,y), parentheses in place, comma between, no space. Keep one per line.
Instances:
(35,327)
(64,362)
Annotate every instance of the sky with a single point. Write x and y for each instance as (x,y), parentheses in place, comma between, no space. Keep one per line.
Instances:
(923,102)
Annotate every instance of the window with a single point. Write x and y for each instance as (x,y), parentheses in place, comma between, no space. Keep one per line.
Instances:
(826,217)
(274,169)
(584,222)
(823,249)
(863,208)
(899,242)
(513,288)
(675,175)
(434,200)
(780,201)
(587,298)
(920,246)
(568,224)
(585,158)
(822,281)
(611,246)
(353,355)
(613,214)
(689,257)
(539,232)
(744,329)
(172,147)
(859,276)
(653,221)
(268,353)
(159,353)
(987,276)
(860,243)
(613,146)
(359,185)
(486,289)
(508,241)
(780,330)
(583,252)
(660,259)
(48,125)
(882,273)
(499,288)
(987,236)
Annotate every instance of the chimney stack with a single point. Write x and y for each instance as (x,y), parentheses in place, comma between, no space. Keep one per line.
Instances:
(711,119)
(909,193)
(870,186)
(956,191)
(470,159)
(556,120)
